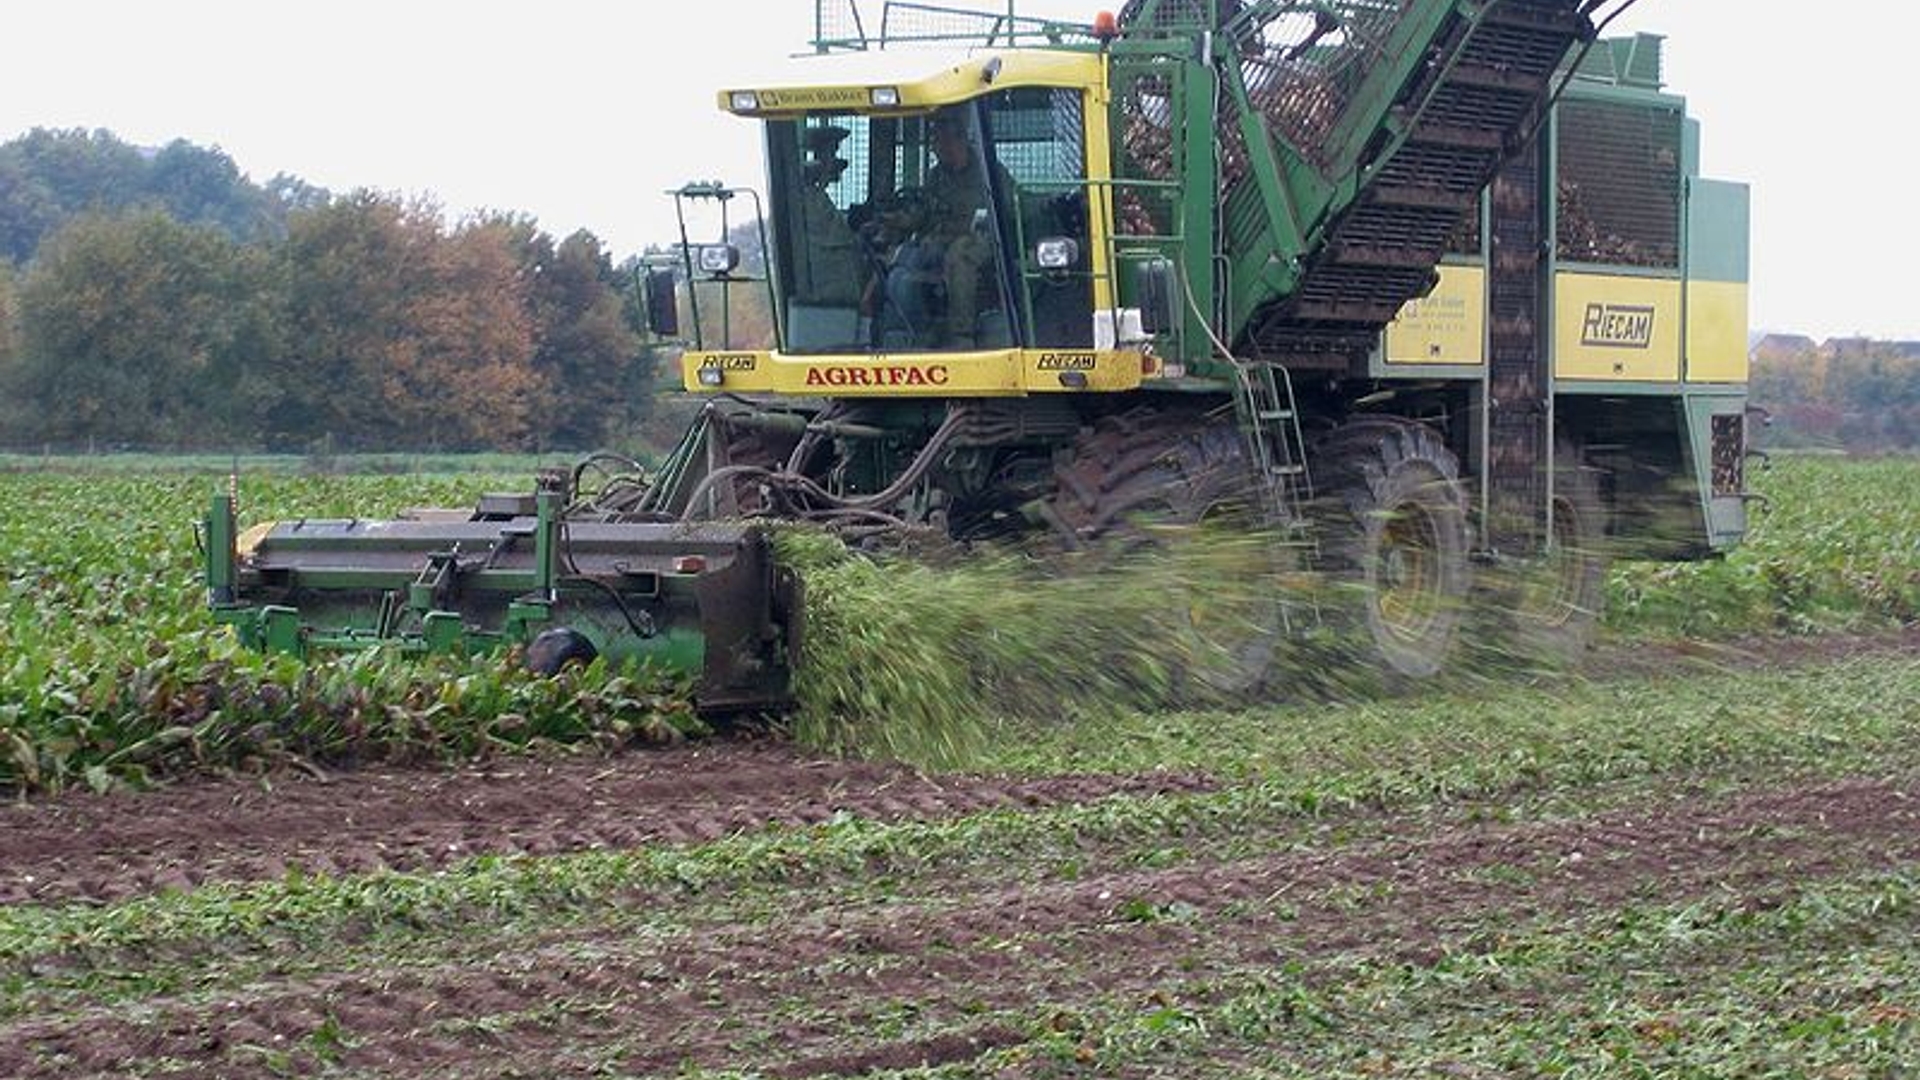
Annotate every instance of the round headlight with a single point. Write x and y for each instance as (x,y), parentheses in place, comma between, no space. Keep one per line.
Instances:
(719,259)
(1056,253)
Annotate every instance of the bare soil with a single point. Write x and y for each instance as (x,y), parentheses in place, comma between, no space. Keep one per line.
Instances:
(82,846)
(926,965)
(108,847)
(891,981)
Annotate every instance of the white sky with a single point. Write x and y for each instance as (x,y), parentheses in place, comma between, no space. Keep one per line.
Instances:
(582,112)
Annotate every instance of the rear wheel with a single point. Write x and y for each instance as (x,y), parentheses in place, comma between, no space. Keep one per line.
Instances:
(1393,532)
(1548,608)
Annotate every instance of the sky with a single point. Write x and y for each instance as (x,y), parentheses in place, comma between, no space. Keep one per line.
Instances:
(582,113)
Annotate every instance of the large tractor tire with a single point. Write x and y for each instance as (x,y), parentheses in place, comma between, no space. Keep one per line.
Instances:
(1392,523)
(1548,609)
(1141,485)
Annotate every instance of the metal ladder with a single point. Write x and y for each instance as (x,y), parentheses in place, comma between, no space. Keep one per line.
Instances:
(1270,422)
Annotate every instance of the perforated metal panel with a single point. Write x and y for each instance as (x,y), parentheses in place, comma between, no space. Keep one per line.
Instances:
(1619,184)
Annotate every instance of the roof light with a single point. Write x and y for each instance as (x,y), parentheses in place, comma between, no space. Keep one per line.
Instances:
(689,564)
(885,97)
(744,101)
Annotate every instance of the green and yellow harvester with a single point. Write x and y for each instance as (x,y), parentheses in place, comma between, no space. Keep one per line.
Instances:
(1418,287)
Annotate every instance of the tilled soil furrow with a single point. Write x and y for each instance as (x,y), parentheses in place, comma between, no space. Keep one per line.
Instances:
(817,982)
(106,848)
(114,847)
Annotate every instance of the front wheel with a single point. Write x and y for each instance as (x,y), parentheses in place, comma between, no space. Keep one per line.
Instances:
(1393,531)
(1182,490)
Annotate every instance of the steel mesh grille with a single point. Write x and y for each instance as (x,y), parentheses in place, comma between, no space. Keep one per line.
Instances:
(1516,46)
(1302,64)
(1619,186)
(903,20)
(1144,111)
(840,22)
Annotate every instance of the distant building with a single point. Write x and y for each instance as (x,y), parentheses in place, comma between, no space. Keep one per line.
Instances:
(1782,347)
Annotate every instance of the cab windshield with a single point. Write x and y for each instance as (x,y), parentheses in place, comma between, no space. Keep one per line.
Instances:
(918,232)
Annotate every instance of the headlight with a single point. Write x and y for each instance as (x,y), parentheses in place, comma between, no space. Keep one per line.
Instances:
(719,259)
(885,97)
(1056,253)
(744,101)
(712,376)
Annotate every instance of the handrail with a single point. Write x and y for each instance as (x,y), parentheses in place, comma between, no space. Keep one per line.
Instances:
(998,28)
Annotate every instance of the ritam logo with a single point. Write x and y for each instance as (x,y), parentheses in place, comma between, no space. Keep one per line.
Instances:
(1617,326)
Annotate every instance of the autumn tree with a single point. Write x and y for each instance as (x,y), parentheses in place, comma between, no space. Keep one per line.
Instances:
(347,270)
(464,371)
(587,355)
(401,333)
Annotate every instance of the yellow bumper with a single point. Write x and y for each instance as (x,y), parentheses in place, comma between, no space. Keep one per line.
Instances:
(993,373)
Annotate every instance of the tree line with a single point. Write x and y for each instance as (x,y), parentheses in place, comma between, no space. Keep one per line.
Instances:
(162,300)
(1847,393)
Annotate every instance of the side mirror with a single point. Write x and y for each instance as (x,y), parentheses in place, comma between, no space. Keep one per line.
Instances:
(1159,296)
(663,303)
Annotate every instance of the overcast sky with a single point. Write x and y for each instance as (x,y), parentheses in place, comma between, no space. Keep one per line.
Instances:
(582,112)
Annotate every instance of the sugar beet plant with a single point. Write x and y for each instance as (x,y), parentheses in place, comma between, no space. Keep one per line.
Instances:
(1835,547)
(111,671)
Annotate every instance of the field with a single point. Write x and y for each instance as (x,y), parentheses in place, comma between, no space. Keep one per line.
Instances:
(1698,855)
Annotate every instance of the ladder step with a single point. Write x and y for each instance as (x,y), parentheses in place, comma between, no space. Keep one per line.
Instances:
(1275,414)
(1288,470)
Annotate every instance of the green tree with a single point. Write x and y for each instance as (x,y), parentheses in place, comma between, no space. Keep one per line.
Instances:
(204,186)
(12,415)
(129,326)
(48,177)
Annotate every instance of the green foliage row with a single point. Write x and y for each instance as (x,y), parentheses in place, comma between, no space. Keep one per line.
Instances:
(1819,982)
(110,669)
(1835,546)
(1311,762)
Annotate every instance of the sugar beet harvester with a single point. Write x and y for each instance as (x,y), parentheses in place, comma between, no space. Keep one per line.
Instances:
(1428,290)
